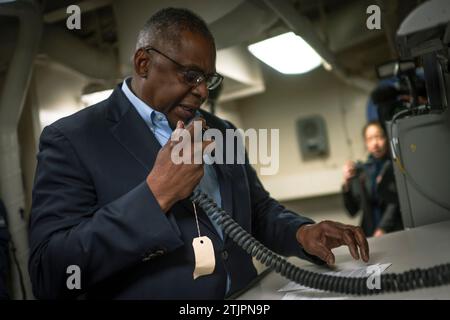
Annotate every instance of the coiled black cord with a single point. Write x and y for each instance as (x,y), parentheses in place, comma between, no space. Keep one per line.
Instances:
(391,282)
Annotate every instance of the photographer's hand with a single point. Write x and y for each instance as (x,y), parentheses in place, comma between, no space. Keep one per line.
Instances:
(349,171)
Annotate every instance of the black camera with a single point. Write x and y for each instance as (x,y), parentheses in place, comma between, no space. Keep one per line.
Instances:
(408,91)
(359,168)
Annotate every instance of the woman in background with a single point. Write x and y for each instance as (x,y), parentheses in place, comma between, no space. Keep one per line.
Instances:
(370,186)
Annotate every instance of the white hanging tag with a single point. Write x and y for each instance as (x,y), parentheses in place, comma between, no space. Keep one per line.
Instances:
(205,261)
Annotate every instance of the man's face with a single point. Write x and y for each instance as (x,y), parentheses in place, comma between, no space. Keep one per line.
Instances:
(165,89)
(376,142)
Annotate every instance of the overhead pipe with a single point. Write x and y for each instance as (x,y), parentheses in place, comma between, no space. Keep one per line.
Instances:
(228,30)
(61,46)
(11,104)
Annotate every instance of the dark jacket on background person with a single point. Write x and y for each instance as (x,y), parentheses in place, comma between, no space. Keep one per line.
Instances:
(373,191)
(93,208)
(4,253)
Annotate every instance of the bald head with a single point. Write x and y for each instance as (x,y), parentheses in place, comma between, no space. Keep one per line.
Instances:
(166,26)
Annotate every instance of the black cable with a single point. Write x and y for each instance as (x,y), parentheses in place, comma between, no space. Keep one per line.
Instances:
(391,282)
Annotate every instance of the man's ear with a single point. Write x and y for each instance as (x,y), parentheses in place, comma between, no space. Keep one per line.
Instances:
(141,61)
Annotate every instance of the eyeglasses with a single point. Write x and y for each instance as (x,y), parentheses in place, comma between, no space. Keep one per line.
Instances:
(193,77)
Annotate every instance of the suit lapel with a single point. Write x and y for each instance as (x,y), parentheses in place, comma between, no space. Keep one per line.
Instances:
(224,177)
(132,132)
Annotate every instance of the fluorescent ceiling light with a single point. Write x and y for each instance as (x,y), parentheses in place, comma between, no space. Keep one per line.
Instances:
(95,97)
(286,53)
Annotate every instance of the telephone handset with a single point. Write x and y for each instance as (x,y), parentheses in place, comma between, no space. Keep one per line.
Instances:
(391,282)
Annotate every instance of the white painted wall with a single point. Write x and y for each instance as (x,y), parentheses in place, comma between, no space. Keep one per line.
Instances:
(58,91)
(289,97)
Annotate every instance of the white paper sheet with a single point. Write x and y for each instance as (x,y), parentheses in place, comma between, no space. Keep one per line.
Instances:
(296,291)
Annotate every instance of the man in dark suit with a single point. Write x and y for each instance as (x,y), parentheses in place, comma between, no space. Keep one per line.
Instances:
(109,200)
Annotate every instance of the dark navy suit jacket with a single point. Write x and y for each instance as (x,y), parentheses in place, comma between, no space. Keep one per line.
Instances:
(92,208)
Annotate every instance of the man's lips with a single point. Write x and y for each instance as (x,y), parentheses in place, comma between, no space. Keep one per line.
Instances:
(187,111)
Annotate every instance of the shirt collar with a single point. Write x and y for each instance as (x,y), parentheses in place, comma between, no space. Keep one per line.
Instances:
(145,111)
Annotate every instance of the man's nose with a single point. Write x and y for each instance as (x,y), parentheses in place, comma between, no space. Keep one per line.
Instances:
(201,91)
